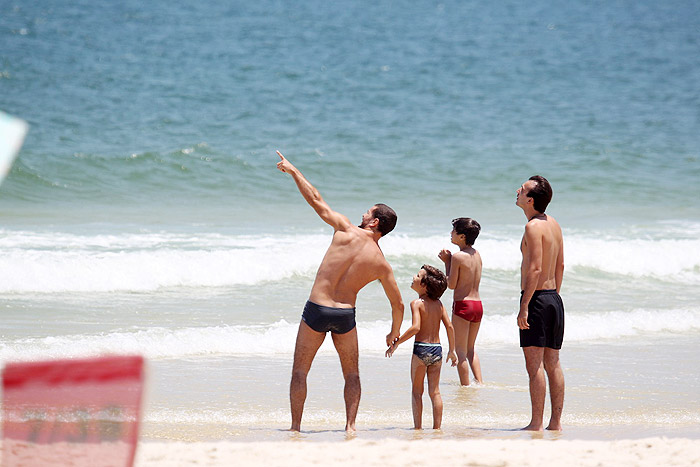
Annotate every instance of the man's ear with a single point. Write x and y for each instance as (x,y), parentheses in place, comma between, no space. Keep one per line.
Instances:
(374,223)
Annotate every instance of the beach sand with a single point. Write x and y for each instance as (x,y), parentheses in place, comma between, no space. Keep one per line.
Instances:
(536,452)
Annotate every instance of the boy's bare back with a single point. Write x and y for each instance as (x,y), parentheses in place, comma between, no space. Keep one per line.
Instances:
(465,274)
(432,313)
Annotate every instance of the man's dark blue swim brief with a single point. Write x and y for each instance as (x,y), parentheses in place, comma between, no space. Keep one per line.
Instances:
(325,318)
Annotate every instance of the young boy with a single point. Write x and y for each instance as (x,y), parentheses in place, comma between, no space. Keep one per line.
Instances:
(427,312)
(463,275)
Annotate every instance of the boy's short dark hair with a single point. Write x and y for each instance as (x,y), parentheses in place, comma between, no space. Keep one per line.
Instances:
(434,281)
(468,227)
(387,218)
(541,193)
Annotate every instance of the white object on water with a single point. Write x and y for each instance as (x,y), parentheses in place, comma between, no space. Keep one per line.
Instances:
(12,133)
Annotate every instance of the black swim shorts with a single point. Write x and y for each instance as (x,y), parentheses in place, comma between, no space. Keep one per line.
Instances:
(325,318)
(545,315)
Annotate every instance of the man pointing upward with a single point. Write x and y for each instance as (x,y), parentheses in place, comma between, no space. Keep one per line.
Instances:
(352,261)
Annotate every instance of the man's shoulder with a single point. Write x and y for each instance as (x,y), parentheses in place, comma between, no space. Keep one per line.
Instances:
(548,224)
(542,229)
(347,228)
(537,225)
(554,223)
(367,252)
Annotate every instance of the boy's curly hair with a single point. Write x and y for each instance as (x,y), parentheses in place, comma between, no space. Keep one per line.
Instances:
(434,281)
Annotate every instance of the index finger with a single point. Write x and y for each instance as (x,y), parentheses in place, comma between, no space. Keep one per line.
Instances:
(280,154)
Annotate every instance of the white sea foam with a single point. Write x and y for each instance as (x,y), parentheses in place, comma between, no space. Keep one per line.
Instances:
(141,262)
(59,262)
(278,339)
(398,416)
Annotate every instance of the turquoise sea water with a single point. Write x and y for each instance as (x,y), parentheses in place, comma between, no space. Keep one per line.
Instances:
(145,214)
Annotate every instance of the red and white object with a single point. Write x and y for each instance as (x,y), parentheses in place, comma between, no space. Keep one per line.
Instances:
(72,412)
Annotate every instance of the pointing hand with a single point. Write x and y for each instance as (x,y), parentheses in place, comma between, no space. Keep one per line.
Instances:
(284,165)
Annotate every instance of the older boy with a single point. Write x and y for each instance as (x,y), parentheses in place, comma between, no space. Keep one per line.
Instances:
(463,275)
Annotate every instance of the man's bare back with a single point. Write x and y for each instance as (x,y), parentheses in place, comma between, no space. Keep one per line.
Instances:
(546,232)
(352,261)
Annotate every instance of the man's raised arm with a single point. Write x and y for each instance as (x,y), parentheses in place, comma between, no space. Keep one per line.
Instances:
(312,196)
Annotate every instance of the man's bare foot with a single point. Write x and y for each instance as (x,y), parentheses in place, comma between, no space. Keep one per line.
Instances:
(554,427)
(532,427)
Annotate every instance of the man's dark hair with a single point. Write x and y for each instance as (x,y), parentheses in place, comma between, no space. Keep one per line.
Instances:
(468,227)
(387,218)
(434,281)
(541,193)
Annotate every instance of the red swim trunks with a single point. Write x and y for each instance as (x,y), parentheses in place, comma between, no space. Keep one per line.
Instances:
(471,310)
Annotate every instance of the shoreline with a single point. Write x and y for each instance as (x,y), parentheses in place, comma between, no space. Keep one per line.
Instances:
(641,452)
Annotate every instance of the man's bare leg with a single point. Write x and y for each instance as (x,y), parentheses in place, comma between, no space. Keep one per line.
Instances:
(556,386)
(308,342)
(346,345)
(538,385)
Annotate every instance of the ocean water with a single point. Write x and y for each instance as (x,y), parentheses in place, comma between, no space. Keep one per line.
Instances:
(145,213)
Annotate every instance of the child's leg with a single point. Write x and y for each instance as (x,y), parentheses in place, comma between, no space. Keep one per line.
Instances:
(434,392)
(417,382)
(461,346)
(471,353)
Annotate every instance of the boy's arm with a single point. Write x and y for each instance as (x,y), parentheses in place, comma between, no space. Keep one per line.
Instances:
(446,257)
(391,289)
(313,197)
(451,356)
(411,331)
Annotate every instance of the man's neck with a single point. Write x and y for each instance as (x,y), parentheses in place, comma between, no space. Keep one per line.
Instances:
(376,235)
(533,214)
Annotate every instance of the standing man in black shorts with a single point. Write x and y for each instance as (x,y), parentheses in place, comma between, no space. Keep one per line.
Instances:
(541,316)
(352,261)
